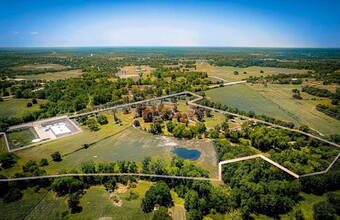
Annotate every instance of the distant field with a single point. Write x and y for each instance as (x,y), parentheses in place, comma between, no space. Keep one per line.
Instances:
(133,71)
(304,110)
(245,98)
(41,66)
(53,75)
(276,101)
(17,107)
(127,143)
(227,72)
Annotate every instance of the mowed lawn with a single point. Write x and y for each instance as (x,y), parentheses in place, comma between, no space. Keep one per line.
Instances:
(115,142)
(244,97)
(227,72)
(53,75)
(20,138)
(18,107)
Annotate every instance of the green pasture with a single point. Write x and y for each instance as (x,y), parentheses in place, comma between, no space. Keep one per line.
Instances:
(304,110)
(245,98)
(276,101)
(227,72)
(23,207)
(17,107)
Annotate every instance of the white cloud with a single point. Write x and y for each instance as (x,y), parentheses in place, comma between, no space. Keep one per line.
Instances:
(34,33)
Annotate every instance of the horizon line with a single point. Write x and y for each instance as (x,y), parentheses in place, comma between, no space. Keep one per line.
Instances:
(111,46)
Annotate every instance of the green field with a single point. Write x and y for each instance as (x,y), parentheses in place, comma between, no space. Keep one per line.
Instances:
(245,98)
(124,143)
(17,107)
(227,72)
(40,66)
(53,75)
(304,110)
(2,144)
(276,101)
(20,138)
(95,203)
(20,209)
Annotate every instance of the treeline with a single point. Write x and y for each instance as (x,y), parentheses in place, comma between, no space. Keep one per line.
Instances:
(201,198)
(333,112)
(323,93)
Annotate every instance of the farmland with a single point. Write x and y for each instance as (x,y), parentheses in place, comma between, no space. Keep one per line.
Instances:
(227,72)
(276,101)
(53,75)
(40,66)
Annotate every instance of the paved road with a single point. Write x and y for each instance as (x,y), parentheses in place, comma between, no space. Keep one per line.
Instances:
(227,84)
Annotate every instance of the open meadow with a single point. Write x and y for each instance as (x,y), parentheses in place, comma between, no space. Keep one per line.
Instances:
(53,75)
(227,72)
(18,107)
(276,101)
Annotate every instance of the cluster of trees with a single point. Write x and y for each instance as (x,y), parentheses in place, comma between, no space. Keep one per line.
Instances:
(157,194)
(93,123)
(296,94)
(317,91)
(256,186)
(333,112)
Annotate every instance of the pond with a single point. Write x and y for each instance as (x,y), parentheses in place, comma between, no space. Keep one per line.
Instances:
(187,154)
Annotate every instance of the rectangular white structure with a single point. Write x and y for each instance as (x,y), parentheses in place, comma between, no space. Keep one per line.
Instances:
(60,129)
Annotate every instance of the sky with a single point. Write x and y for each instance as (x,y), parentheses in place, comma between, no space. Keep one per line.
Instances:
(238,23)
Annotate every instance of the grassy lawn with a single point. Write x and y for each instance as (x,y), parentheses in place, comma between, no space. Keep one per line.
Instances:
(54,75)
(22,208)
(2,144)
(216,119)
(49,207)
(17,107)
(96,204)
(20,138)
(227,72)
